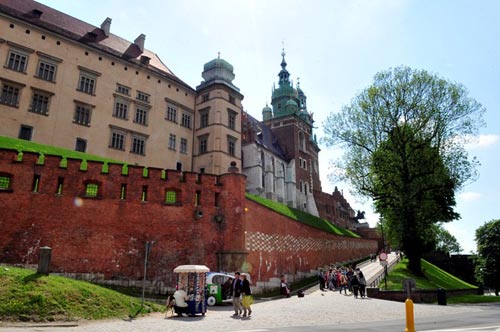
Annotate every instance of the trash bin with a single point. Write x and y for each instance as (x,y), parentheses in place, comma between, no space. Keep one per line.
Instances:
(441,295)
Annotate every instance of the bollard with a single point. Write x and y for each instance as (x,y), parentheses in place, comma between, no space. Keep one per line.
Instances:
(410,322)
(44,261)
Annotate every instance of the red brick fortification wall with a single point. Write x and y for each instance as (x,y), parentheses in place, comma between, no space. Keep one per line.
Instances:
(279,245)
(107,234)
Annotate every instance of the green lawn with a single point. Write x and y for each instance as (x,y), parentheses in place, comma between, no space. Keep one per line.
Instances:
(28,296)
(302,217)
(29,146)
(433,277)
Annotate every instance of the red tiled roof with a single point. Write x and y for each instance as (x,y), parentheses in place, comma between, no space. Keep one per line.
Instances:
(75,29)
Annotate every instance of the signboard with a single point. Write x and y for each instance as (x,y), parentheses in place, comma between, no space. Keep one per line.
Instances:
(382,256)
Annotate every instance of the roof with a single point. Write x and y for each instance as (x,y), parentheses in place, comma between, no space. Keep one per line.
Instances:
(191,268)
(265,137)
(70,27)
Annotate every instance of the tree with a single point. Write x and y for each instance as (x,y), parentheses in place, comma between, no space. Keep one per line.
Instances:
(403,139)
(446,242)
(488,254)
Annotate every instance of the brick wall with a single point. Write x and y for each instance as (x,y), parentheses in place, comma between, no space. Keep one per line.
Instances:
(107,235)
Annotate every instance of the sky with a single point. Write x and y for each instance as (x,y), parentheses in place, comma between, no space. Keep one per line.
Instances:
(335,47)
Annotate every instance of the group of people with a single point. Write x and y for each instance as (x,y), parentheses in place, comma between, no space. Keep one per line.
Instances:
(242,295)
(343,279)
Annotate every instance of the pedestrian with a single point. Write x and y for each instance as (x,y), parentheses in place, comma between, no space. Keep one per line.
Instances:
(284,290)
(247,300)
(321,277)
(344,283)
(236,294)
(362,283)
(355,285)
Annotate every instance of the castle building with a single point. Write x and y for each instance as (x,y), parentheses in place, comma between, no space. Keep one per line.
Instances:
(70,84)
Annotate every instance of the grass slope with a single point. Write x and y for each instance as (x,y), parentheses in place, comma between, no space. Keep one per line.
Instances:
(433,277)
(28,296)
(29,146)
(302,216)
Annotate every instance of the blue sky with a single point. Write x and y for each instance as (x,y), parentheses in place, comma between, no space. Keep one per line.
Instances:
(335,47)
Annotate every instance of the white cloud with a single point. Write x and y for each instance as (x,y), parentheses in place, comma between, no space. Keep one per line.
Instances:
(469,196)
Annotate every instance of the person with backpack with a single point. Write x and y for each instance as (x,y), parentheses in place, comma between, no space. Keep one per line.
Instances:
(362,283)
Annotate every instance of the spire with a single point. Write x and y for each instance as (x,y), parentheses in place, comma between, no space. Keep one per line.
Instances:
(284,75)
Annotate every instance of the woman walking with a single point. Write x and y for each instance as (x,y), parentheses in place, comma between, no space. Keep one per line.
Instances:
(247,296)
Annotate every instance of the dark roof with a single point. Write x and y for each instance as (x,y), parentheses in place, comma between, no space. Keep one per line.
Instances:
(70,27)
(264,136)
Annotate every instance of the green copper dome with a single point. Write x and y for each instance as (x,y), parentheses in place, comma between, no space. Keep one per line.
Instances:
(218,63)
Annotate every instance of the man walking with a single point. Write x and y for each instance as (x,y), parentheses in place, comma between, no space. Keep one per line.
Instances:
(236,294)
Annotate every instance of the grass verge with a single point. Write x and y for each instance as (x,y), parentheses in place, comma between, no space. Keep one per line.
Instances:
(28,296)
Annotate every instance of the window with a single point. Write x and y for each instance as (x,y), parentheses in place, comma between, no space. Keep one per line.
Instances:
(138,145)
(171,113)
(170,197)
(121,109)
(123,89)
(82,114)
(203,118)
(81,145)
(123,191)
(60,184)
(91,190)
(205,97)
(46,71)
(231,118)
(184,143)
(178,166)
(172,142)
(232,100)
(143,96)
(141,116)
(10,94)
(5,181)
(40,102)
(231,145)
(203,144)
(87,83)
(117,140)
(186,120)
(302,141)
(197,198)
(25,132)
(17,61)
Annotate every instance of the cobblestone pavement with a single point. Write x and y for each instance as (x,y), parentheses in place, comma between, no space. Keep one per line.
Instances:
(316,308)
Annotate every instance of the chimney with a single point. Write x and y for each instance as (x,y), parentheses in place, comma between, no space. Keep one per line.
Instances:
(139,41)
(105,26)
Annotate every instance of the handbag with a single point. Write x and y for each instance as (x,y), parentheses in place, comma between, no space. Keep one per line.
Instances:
(247,301)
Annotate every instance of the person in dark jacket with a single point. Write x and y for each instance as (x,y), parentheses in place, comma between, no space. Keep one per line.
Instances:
(284,290)
(355,285)
(247,300)
(236,294)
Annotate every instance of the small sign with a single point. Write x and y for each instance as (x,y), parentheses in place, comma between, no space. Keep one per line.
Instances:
(382,256)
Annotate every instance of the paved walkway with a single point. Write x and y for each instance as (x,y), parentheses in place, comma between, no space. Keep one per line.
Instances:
(316,308)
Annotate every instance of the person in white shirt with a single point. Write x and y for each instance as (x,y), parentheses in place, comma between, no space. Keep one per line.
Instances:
(181,306)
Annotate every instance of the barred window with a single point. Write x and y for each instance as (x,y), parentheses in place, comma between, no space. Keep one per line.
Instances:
(46,71)
(4,182)
(171,113)
(138,145)
(17,61)
(82,115)
(123,89)
(10,95)
(25,132)
(40,103)
(203,119)
(231,119)
(91,190)
(184,144)
(203,144)
(141,116)
(231,145)
(121,110)
(172,142)
(143,96)
(117,140)
(186,120)
(87,84)
(170,197)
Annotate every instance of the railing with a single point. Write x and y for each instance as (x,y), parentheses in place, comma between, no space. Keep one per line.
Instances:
(380,275)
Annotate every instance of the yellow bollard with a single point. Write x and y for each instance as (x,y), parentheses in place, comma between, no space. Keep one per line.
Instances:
(410,322)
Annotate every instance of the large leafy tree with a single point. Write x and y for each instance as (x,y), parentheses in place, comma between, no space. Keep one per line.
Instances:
(446,242)
(403,139)
(488,254)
